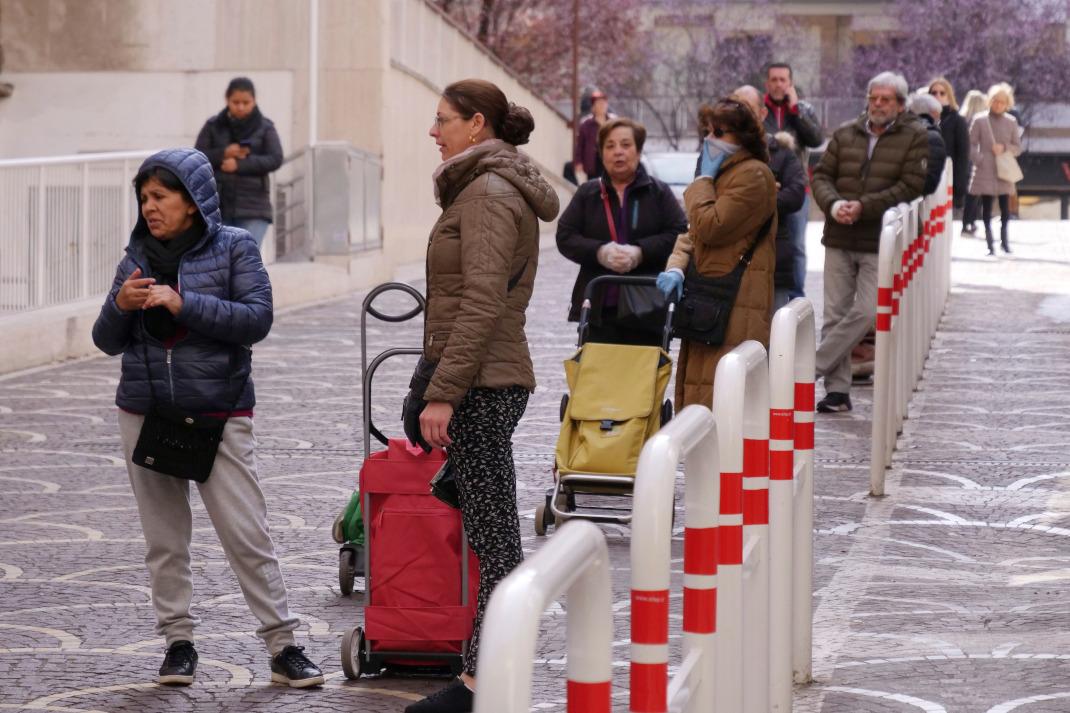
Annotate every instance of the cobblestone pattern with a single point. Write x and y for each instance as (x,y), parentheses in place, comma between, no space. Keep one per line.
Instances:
(947,595)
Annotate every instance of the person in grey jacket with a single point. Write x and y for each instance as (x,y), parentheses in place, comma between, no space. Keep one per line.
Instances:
(189,298)
(787,113)
(244,149)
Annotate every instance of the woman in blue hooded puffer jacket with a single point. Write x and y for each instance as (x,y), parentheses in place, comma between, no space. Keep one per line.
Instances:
(189,299)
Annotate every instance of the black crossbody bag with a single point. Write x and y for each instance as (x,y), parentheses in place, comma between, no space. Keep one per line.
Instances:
(704,310)
(176,443)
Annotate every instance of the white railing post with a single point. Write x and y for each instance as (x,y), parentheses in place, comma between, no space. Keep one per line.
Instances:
(690,436)
(741,407)
(792,346)
(884,365)
(575,562)
(40,242)
(83,236)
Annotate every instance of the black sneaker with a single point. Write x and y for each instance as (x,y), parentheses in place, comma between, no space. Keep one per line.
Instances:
(454,698)
(292,667)
(179,664)
(834,402)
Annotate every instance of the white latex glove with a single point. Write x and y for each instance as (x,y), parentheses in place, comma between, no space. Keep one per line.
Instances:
(607,256)
(634,254)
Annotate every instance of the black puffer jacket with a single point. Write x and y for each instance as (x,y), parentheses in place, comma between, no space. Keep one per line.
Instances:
(654,219)
(226,307)
(244,193)
(956,134)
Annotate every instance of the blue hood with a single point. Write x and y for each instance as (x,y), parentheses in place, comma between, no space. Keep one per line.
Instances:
(195,172)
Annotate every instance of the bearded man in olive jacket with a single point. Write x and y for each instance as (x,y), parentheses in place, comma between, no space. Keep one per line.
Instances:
(871,164)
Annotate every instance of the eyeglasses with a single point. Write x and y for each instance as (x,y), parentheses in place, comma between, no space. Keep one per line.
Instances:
(880,99)
(441,121)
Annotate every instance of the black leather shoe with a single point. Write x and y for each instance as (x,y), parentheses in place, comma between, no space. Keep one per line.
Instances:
(292,667)
(179,664)
(834,402)
(454,698)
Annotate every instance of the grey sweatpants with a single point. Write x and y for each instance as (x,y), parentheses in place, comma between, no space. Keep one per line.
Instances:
(236,506)
(850,311)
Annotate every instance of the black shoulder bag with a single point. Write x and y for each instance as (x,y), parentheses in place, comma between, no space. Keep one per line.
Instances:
(703,312)
(176,443)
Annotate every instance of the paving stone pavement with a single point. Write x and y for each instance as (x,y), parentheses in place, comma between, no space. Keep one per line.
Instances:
(950,594)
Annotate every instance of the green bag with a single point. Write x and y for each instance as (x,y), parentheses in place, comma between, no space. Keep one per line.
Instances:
(353,521)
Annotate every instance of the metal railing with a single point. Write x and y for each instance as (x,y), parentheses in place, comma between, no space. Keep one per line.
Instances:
(64,222)
(327,201)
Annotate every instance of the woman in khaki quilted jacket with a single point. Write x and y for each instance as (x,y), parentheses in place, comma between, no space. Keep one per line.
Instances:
(481,263)
(730,206)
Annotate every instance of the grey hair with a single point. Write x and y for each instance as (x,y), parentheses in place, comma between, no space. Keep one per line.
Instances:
(892,80)
(924,103)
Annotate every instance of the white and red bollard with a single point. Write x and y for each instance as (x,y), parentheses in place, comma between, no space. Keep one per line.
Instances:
(575,562)
(690,436)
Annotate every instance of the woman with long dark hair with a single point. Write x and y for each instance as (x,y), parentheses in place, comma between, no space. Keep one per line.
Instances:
(481,262)
(731,208)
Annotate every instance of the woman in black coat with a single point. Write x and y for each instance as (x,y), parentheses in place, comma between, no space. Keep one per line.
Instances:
(646,220)
(244,148)
(956,134)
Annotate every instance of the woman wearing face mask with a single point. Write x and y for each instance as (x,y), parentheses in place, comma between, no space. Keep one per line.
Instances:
(481,262)
(731,208)
(646,218)
(244,148)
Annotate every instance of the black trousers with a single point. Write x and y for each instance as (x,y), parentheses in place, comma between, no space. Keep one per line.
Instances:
(1004,219)
(481,451)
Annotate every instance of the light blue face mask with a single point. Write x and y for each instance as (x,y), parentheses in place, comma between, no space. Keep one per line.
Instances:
(714,152)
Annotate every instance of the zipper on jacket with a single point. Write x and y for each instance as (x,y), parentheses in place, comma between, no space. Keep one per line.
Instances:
(170,377)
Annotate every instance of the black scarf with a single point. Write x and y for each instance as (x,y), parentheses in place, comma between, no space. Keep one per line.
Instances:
(242,129)
(163,257)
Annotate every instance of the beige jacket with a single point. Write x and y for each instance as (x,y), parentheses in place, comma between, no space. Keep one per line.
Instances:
(725,216)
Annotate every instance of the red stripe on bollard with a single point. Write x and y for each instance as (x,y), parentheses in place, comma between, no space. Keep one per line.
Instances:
(650,616)
(589,697)
(649,688)
(884,322)
(884,296)
(700,611)
(781,421)
(756,507)
(730,539)
(700,550)
(781,465)
(731,493)
(804,436)
(804,396)
(755,457)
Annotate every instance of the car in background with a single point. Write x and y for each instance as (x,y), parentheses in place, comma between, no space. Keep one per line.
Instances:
(676,168)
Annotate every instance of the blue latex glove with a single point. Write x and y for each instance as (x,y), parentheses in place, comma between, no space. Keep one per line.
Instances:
(711,160)
(669,282)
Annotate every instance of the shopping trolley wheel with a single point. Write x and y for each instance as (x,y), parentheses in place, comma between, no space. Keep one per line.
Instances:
(347,570)
(353,649)
(666,412)
(540,521)
(564,406)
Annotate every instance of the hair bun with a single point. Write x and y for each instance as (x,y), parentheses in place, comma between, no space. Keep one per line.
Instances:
(517,125)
